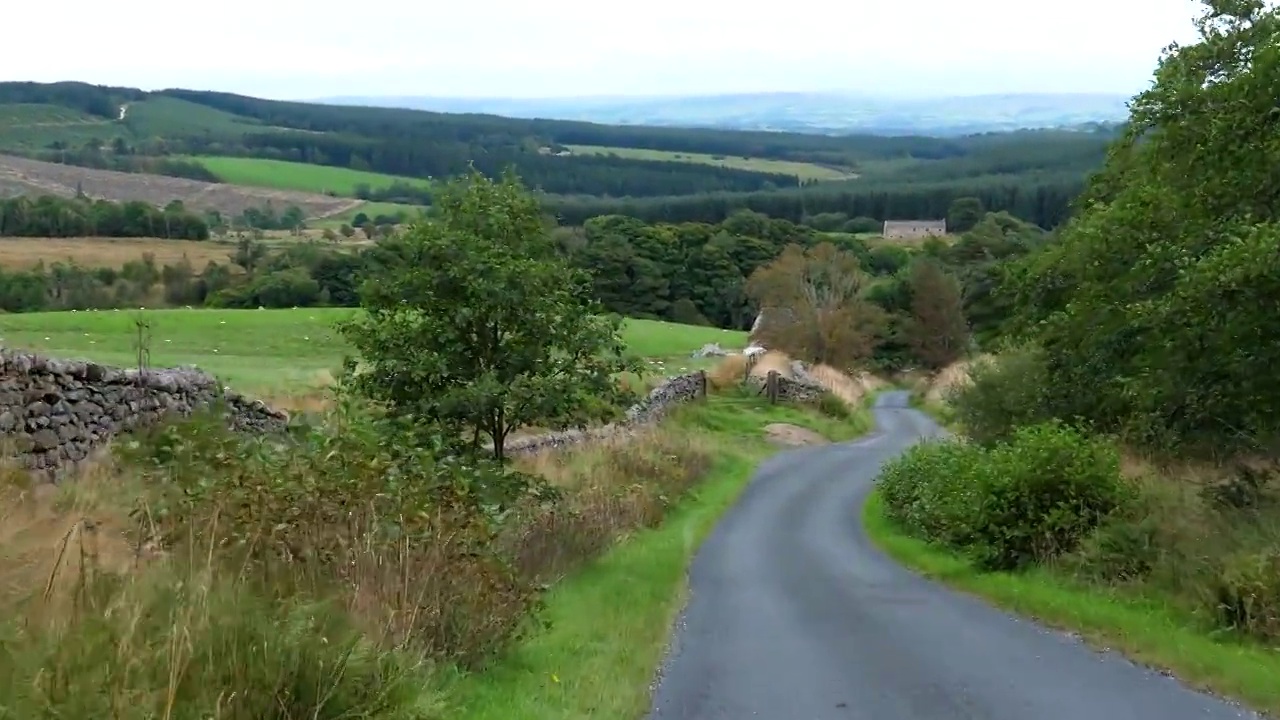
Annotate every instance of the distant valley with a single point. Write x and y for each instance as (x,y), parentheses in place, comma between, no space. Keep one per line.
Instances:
(817,113)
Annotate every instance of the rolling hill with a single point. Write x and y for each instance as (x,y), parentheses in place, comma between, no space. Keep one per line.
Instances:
(22,176)
(580,169)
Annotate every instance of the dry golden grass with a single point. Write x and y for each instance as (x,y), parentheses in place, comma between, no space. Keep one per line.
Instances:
(850,389)
(613,487)
(24,253)
(313,396)
(950,378)
(732,370)
(52,536)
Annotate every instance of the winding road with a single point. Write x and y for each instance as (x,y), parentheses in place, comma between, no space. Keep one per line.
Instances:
(794,615)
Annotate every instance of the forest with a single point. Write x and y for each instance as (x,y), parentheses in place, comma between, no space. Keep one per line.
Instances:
(1033,174)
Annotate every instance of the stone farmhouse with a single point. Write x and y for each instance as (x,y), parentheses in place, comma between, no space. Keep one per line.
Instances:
(903,229)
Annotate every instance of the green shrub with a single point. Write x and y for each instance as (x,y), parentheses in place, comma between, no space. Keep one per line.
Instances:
(1051,485)
(1020,502)
(348,511)
(1248,593)
(832,406)
(931,490)
(1004,394)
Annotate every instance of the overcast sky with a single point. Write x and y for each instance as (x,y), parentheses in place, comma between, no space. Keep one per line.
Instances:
(523,48)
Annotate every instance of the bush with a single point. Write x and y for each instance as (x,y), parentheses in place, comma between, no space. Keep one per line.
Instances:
(350,511)
(1247,591)
(1051,486)
(1003,394)
(829,404)
(933,488)
(1024,501)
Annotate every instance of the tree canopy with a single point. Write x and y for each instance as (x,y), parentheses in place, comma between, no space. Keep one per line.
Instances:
(474,325)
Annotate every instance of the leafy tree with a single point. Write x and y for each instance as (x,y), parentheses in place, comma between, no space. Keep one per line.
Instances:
(480,328)
(1153,311)
(937,332)
(813,306)
(964,213)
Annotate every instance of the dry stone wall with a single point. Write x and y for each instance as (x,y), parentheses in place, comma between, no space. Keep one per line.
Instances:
(670,393)
(797,389)
(54,413)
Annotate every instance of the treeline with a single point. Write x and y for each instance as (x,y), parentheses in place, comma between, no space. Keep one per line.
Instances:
(701,274)
(1045,200)
(49,216)
(306,274)
(121,157)
(693,273)
(96,100)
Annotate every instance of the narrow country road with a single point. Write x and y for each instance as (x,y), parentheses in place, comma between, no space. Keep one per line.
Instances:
(794,615)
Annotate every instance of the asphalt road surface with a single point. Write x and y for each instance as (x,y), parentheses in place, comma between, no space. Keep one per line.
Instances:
(794,615)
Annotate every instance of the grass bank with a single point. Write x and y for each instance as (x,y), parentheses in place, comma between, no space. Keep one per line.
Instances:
(611,622)
(1143,627)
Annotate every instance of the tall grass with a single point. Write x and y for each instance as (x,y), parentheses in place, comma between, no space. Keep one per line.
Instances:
(197,574)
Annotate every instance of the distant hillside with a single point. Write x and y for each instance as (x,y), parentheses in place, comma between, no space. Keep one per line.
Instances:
(822,113)
(21,176)
(582,169)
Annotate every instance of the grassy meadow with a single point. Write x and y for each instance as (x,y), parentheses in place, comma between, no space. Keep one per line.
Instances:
(802,170)
(286,175)
(272,352)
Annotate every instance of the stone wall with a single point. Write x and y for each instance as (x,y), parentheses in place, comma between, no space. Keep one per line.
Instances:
(671,392)
(797,389)
(53,413)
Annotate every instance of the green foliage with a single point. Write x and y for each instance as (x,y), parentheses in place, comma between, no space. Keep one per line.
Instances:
(1003,394)
(1018,503)
(345,497)
(49,216)
(832,406)
(1150,311)
(936,329)
(480,328)
(963,214)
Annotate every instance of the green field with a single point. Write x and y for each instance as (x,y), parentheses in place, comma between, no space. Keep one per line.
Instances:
(286,175)
(804,171)
(269,352)
(371,209)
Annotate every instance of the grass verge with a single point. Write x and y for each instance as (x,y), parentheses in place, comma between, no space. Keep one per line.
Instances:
(1143,628)
(610,623)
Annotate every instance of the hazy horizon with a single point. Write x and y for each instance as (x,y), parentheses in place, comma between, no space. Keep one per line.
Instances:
(570,49)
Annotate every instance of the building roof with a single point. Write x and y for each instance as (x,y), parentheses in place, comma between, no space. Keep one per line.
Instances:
(940,224)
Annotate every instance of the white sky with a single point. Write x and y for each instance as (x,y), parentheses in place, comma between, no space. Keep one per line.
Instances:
(542,48)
